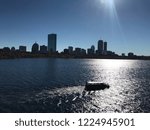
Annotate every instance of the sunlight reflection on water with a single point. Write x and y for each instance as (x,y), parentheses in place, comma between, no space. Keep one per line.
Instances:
(129,86)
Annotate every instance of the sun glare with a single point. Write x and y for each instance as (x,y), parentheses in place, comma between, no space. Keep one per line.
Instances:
(107,2)
(109,8)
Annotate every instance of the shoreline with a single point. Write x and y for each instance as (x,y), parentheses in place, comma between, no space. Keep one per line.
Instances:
(21,55)
(75,57)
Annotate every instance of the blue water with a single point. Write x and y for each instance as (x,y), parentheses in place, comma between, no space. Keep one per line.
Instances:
(57,85)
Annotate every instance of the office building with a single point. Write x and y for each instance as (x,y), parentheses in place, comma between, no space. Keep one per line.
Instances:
(22,48)
(77,51)
(70,48)
(66,51)
(83,52)
(35,48)
(105,46)
(130,54)
(100,46)
(6,49)
(52,41)
(43,49)
(92,49)
(89,51)
(13,49)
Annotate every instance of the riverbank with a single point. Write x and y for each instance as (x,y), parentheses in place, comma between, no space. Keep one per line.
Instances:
(16,55)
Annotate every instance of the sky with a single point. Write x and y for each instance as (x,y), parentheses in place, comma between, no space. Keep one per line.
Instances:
(124,24)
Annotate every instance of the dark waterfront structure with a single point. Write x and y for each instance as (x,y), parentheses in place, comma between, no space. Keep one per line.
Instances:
(123,54)
(35,48)
(89,51)
(100,47)
(43,49)
(13,49)
(131,54)
(6,49)
(70,48)
(93,49)
(66,51)
(77,51)
(83,52)
(52,43)
(22,48)
(51,51)
(105,46)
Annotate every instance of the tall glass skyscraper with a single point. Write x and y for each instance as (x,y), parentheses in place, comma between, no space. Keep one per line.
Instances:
(105,46)
(100,46)
(52,41)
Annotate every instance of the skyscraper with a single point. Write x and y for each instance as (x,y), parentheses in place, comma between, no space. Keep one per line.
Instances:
(93,49)
(70,48)
(100,46)
(105,46)
(52,41)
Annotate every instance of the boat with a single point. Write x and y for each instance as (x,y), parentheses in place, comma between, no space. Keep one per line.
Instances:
(93,86)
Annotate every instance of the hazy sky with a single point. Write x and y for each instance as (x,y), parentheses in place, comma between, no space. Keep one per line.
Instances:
(124,24)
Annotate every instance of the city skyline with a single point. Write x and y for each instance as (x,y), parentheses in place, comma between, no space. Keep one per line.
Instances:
(51,47)
(78,23)
(99,49)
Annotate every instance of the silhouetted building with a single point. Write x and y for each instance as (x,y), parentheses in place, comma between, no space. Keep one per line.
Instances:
(89,51)
(100,46)
(35,48)
(66,51)
(93,49)
(105,46)
(6,49)
(110,53)
(52,41)
(13,49)
(22,48)
(77,51)
(43,49)
(130,54)
(83,52)
(123,54)
(70,48)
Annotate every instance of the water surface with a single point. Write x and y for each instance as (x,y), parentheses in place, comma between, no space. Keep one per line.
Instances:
(57,85)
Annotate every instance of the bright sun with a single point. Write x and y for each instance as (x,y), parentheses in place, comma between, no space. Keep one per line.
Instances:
(107,2)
